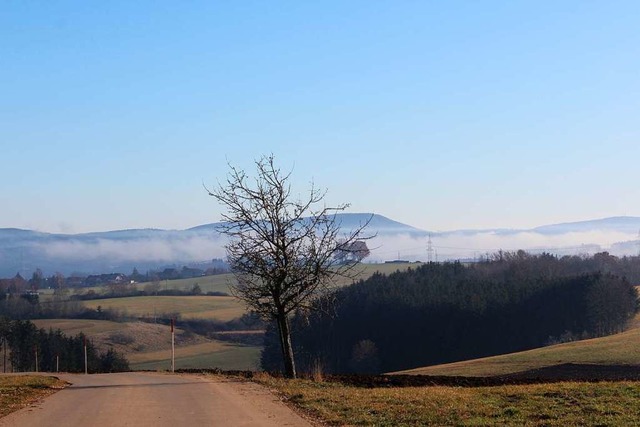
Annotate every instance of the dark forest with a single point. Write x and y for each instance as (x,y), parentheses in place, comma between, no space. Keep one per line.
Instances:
(439,313)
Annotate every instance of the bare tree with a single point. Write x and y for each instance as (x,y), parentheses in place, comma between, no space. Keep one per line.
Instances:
(281,249)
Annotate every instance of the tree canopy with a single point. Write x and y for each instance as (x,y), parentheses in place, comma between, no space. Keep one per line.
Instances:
(439,313)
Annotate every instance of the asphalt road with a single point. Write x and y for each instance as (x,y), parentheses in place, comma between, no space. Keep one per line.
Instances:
(154,399)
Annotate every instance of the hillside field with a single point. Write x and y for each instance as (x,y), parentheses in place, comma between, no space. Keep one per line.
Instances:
(215,283)
(203,356)
(221,282)
(188,307)
(622,349)
(75,326)
(201,306)
(148,345)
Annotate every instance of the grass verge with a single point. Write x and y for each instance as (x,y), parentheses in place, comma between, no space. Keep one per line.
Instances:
(558,404)
(18,391)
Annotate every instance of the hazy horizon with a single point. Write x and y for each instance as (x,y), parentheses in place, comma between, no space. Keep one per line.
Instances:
(121,251)
(188,227)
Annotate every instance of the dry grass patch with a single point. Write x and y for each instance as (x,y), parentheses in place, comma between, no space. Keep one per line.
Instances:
(181,351)
(140,337)
(218,355)
(126,338)
(559,404)
(18,391)
(189,307)
(148,345)
(75,326)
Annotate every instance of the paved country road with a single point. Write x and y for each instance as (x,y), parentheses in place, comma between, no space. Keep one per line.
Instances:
(154,399)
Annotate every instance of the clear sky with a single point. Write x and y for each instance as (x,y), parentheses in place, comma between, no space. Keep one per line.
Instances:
(439,114)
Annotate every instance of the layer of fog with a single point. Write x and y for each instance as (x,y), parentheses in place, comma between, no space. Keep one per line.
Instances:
(383,248)
(476,245)
(193,248)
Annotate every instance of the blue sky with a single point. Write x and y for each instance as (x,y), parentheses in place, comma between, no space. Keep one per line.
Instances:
(442,115)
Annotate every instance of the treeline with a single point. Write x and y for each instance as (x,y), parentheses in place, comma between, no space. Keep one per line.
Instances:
(21,308)
(17,308)
(22,341)
(439,313)
(149,290)
(18,285)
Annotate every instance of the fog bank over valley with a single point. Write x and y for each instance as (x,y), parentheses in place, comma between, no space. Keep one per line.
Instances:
(119,251)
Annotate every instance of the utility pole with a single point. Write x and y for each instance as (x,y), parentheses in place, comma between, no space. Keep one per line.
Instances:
(173,346)
(35,349)
(86,367)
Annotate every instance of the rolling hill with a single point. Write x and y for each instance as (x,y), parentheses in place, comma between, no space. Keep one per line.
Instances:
(618,349)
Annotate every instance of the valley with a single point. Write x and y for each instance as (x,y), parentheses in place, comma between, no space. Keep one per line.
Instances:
(147,344)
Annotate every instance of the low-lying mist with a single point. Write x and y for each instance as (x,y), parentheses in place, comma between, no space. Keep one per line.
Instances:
(383,248)
(196,248)
(469,245)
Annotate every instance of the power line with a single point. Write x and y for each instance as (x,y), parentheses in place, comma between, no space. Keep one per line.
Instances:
(430,250)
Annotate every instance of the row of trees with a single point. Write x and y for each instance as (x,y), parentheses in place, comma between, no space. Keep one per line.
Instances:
(440,313)
(19,308)
(22,341)
(18,284)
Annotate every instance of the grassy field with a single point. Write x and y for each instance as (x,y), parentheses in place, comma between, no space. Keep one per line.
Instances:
(216,283)
(221,282)
(18,391)
(148,345)
(622,348)
(75,326)
(204,307)
(559,404)
(189,307)
(214,355)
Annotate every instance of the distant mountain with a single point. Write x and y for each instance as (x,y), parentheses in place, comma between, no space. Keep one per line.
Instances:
(378,224)
(622,224)
(120,250)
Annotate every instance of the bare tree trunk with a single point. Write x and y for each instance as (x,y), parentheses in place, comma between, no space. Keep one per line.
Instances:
(287,347)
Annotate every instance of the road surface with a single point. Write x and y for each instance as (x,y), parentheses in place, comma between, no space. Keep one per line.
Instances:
(155,399)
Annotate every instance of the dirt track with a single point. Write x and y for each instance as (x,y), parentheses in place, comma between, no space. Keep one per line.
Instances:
(151,399)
